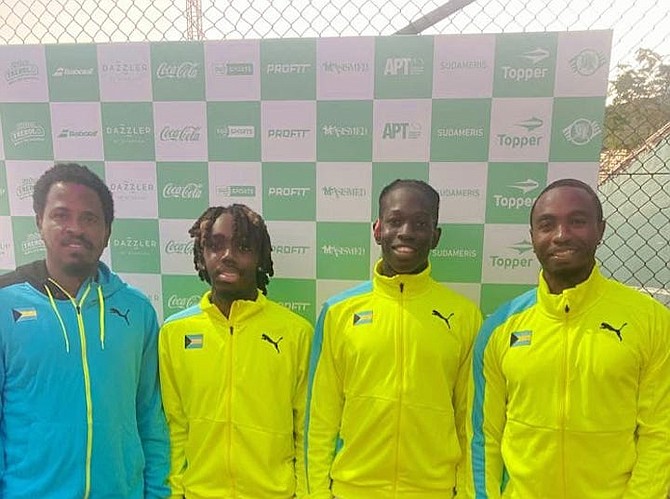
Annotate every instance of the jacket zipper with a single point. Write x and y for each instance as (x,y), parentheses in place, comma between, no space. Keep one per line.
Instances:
(401,361)
(89,400)
(230,410)
(564,398)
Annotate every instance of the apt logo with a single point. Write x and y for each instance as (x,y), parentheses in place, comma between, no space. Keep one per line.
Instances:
(404,66)
(401,130)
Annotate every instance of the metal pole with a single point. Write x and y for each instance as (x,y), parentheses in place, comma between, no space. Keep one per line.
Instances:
(433,17)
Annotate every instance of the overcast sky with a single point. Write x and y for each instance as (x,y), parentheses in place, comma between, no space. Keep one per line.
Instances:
(638,23)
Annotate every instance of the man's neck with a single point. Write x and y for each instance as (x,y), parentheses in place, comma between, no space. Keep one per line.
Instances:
(69,283)
(225,303)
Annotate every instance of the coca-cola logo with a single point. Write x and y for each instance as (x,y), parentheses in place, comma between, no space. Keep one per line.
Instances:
(186,191)
(179,247)
(182,301)
(189,133)
(184,71)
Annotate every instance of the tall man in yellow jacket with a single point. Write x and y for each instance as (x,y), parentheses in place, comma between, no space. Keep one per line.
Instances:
(572,379)
(390,364)
(233,371)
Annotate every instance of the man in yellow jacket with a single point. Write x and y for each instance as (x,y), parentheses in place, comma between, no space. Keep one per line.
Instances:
(572,379)
(390,365)
(233,371)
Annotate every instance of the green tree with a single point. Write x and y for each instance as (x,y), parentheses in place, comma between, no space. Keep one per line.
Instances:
(640,101)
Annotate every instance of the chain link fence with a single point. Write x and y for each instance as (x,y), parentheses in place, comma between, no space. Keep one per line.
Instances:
(635,173)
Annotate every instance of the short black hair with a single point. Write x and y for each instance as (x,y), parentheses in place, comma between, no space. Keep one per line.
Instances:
(571,182)
(72,173)
(248,227)
(431,194)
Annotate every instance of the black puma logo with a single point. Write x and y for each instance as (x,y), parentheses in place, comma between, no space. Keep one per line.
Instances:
(116,311)
(605,325)
(274,343)
(445,319)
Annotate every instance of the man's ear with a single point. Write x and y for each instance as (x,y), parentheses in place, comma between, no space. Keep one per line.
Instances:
(377,231)
(437,232)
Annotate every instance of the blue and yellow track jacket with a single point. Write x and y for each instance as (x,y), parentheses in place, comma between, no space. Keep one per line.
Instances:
(390,364)
(81,408)
(572,395)
(234,391)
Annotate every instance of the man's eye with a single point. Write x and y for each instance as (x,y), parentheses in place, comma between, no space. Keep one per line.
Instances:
(244,248)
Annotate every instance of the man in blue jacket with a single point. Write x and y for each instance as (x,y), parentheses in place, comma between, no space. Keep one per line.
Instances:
(80,405)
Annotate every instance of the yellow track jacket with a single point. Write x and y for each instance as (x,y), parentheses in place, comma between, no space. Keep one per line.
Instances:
(234,392)
(572,396)
(390,365)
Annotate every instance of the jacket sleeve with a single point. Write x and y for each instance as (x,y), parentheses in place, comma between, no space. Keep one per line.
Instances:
(651,473)
(460,400)
(150,418)
(326,401)
(299,412)
(176,419)
(487,416)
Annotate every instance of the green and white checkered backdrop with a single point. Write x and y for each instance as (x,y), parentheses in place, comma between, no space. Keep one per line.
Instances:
(307,132)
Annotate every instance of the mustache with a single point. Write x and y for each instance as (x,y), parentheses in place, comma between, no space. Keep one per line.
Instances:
(80,240)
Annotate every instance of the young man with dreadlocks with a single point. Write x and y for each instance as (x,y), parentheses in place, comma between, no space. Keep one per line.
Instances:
(233,371)
(391,361)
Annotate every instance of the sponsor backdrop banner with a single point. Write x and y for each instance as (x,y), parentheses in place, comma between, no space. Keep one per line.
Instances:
(306,131)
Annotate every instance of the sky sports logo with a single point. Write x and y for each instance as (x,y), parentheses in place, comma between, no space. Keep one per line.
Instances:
(234,69)
(237,132)
(240,191)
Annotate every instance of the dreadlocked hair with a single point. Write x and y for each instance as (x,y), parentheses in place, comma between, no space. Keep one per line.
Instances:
(248,228)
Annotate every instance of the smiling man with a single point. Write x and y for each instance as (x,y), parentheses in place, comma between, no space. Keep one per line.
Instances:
(81,411)
(234,371)
(572,379)
(390,364)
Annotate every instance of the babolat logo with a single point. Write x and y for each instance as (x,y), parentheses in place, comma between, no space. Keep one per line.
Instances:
(517,202)
(21,70)
(32,244)
(190,190)
(128,134)
(460,133)
(528,74)
(66,133)
(133,246)
(404,66)
(288,68)
(345,131)
(288,249)
(237,131)
(25,189)
(124,71)
(587,62)
(188,133)
(296,306)
(288,133)
(233,69)
(179,302)
(345,67)
(454,253)
(288,191)
(344,192)
(240,191)
(402,130)
(467,64)
(60,72)
(459,193)
(581,131)
(26,132)
(516,141)
(338,251)
(511,263)
(179,248)
(187,70)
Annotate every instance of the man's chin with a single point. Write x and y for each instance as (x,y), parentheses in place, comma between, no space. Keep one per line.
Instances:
(79,268)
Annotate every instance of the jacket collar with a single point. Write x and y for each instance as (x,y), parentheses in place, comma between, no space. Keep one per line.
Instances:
(572,300)
(405,285)
(240,309)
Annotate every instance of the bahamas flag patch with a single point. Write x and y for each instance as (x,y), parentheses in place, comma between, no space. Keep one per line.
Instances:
(520,338)
(24,314)
(192,341)
(364,317)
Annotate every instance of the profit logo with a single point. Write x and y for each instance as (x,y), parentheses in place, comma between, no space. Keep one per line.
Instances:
(289,192)
(288,68)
